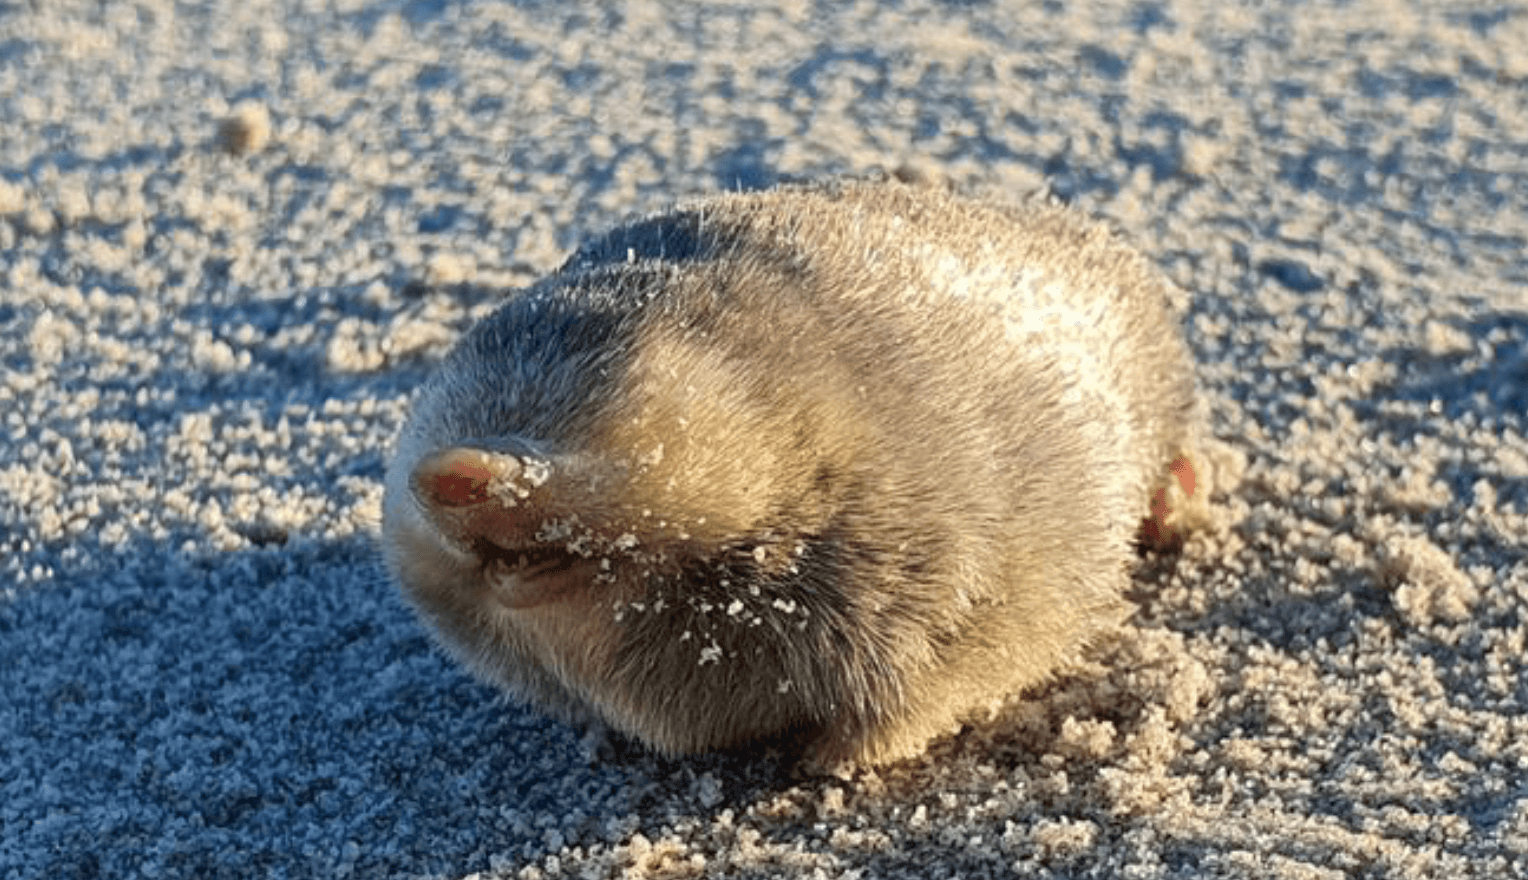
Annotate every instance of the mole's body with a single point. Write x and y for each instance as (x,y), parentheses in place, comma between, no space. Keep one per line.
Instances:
(838,462)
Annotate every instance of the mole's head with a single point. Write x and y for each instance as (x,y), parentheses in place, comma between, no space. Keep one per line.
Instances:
(570,468)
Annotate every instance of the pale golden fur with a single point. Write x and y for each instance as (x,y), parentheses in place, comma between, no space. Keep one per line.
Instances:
(839,461)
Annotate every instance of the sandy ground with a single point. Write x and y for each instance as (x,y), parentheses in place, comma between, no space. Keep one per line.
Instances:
(209,336)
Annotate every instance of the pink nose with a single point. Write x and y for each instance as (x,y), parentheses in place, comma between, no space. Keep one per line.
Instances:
(462,484)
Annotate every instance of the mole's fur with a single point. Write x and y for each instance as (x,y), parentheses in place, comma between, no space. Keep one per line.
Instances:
(838,462)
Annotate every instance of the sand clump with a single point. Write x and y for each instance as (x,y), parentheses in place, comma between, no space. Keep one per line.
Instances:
(245,130)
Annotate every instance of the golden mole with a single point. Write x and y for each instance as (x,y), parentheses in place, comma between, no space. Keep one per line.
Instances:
(836,462)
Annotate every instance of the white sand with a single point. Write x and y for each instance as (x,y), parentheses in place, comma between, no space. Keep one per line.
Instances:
(233,238)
